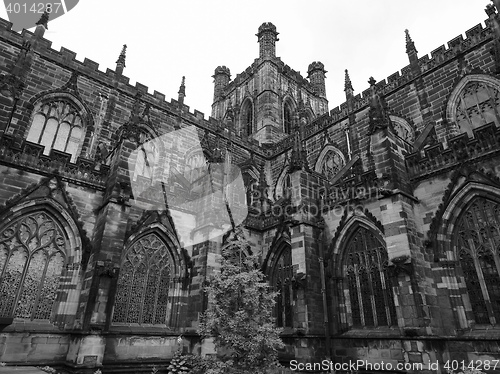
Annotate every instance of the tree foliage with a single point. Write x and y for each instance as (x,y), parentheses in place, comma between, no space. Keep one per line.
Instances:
(240,314)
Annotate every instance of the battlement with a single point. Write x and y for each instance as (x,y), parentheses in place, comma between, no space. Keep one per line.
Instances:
(267,26)
(474,36)
(437,159)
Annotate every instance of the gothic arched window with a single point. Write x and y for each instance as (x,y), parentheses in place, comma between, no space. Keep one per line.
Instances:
(147,157)
(474,103)
(32,256)
(196,166)
(403,129)
(143,285)
(368,292)
(477,243)
(281,281)
(287,118)
(57,125)
(251,189)
(329,162)
(247,118)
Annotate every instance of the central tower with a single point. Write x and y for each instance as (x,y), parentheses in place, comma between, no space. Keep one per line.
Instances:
(266,97)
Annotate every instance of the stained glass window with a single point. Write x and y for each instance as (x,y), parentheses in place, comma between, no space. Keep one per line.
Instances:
(32,256)
(282,282)
(371,301)
(477,105)
(142,295)
(57,125)
(478,242)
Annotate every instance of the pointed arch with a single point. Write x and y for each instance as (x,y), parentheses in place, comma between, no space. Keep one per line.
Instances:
(247,117)
(40,261)
(474,102)
(403,129)
(279,269)
(289,109)
(360,261)
(61,121)
(149,282)
(283,186)
(251,181)
(329,161)
(469,236)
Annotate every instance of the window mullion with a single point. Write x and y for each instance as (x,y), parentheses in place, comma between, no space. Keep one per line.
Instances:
(40,286)
(360,298)
(464,110)
(482,283)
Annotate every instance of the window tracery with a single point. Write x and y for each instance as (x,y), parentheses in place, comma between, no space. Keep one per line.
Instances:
(368,290)
(331,164)
(32,256)
(143,285)
(478,243)
(57,125)
(402,129)
(282,282)
(477,105)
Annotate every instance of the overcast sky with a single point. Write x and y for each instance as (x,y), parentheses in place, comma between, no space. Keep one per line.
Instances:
(168,39)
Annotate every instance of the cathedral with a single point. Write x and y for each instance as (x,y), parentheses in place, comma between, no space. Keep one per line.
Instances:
(377,221)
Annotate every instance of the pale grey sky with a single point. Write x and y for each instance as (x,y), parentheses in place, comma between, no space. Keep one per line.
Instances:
(168,39)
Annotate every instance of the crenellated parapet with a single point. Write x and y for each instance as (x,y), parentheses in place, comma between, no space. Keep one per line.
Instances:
(436,159)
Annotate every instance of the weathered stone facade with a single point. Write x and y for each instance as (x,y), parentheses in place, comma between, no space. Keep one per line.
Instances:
(378,221)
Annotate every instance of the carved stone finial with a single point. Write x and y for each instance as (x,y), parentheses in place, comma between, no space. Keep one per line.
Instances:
(44,20)
(410,45)
(121,58)
(347,83)
(378,113)
(182,91)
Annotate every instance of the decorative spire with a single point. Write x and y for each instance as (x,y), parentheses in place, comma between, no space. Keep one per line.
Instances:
(182,91)
(44,20)
(347,84)
(120,63)
(42,25)
(410,48)
(378,114)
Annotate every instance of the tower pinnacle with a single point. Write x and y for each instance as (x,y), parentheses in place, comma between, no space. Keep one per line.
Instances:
(182,91)
(268,36)
(42,25)
(347,84)
(410,48)
(120,63)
